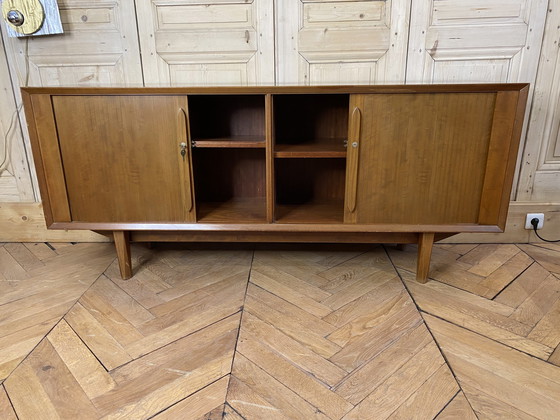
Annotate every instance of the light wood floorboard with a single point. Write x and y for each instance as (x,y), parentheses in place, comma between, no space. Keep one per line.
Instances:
(6,410)
(279,332)
(334,336)
(500,332)
(40,283)
(528,385)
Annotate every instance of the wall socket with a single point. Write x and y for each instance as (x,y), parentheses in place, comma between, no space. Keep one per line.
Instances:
(531,216)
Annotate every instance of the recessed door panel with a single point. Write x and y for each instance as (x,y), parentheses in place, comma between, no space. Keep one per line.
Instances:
(207,43)
(341,42)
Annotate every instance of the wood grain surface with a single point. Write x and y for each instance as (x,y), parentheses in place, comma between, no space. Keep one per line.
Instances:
(284,332)
(121,157)
(422,158)
(435,151)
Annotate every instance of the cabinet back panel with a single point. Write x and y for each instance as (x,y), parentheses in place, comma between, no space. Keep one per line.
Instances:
(422,157)
(304,118)
(300,181)
(121,157)
(226,174)
(220,116)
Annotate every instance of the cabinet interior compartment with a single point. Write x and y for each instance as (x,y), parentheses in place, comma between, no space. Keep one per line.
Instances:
(310,190)
(227,120)
(229,185)
(310,125)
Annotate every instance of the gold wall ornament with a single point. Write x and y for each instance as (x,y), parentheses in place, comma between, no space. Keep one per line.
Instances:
(23,16)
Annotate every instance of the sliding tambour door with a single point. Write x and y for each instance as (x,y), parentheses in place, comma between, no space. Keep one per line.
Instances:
(430,158)
(125,157)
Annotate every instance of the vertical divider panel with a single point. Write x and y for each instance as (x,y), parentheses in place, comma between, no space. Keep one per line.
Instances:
(269,144)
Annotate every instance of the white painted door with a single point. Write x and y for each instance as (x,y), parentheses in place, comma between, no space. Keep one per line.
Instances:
(15,178)
(540,170)
(217,42)
(99,47)
(459,41)
(341,42)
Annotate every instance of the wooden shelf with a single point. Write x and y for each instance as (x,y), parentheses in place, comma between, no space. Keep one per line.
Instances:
(238,142)
(245,210)
(319,148)
(311,212)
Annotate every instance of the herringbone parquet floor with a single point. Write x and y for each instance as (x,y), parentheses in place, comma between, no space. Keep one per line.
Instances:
(279,333)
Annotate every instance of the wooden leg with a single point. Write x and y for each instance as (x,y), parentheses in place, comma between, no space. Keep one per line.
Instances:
(425,243)
(122,244)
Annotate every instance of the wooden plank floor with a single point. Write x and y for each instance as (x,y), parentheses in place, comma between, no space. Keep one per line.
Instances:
(494,311)
(311,332)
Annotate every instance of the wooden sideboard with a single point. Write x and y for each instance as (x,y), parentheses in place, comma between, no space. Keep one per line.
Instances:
(379,164)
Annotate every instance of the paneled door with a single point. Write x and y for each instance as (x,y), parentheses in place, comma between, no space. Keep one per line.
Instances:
(216,42)
(15,177)
(99,46)
(458,41)
(341,42)
(540,172)
(126,158)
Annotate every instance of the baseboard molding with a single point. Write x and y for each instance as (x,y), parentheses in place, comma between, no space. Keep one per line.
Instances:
(24,222)
(515,231)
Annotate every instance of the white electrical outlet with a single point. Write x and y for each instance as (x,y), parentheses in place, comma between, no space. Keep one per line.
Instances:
(531,216)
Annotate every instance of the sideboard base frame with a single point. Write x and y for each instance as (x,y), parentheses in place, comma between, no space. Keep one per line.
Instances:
(425,241)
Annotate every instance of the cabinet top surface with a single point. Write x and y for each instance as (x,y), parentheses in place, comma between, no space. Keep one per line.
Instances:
(488,87)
